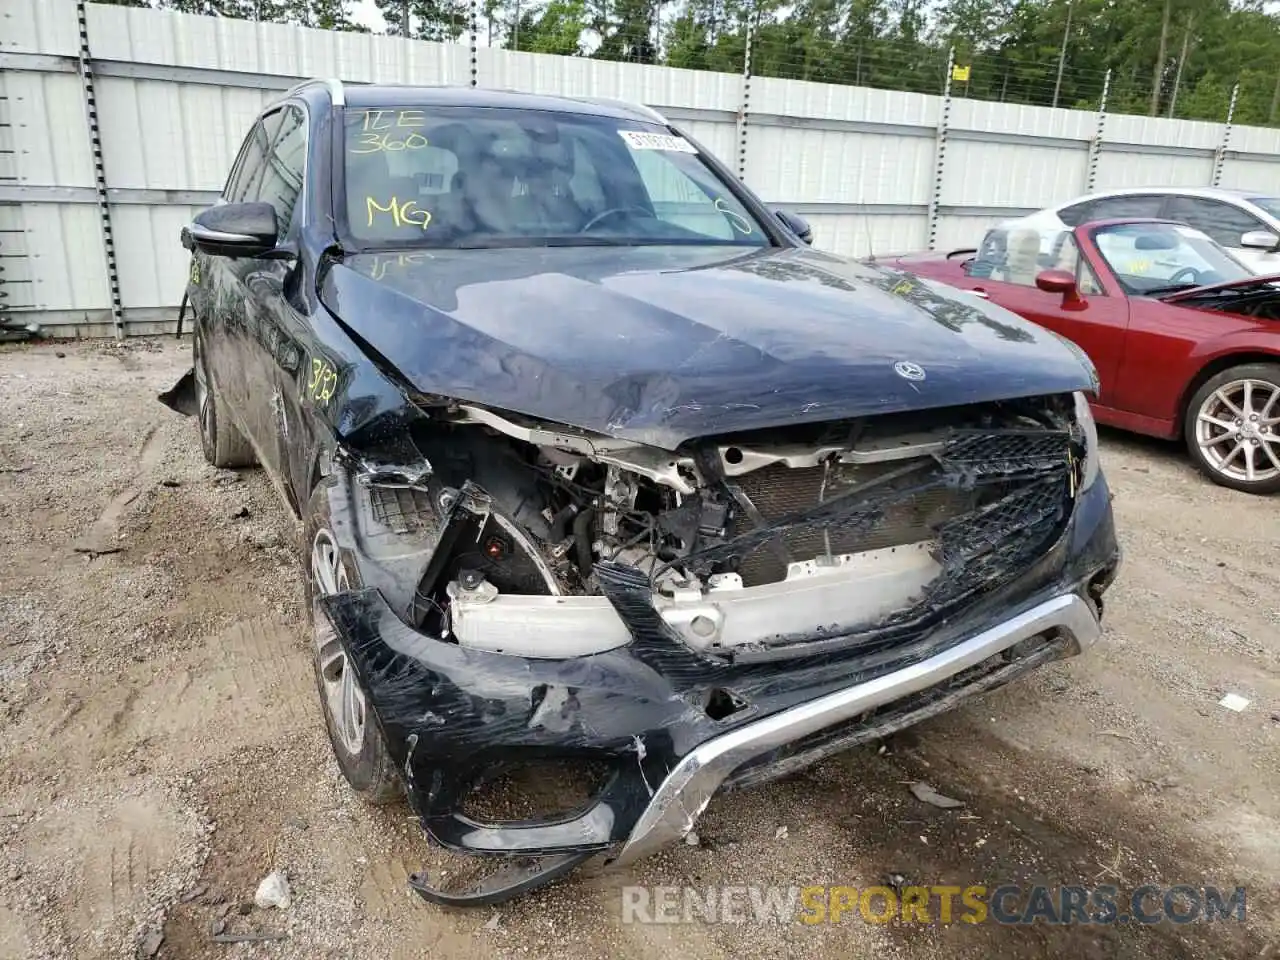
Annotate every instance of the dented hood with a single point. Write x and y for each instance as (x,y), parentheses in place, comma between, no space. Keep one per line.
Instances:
(662,344)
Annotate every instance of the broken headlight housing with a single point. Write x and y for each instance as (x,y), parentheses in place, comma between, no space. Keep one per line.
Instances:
(1084,416)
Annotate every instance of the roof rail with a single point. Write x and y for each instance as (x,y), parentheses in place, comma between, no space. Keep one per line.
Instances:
(647,112)
(332,85)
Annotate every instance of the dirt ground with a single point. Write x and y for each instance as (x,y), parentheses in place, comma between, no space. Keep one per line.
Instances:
(162,747)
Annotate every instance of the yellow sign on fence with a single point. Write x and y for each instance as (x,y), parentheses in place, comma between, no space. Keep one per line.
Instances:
(960,73)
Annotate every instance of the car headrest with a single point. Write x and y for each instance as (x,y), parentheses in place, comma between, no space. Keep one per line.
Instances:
(1155,241)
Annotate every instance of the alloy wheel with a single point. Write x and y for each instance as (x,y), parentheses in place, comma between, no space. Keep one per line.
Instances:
(1238,430)
(344,699)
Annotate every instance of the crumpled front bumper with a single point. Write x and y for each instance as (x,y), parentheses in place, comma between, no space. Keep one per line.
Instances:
(451,715)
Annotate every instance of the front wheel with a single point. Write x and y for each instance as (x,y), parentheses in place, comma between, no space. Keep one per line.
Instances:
(1233,428)
(222,444)
(357,742)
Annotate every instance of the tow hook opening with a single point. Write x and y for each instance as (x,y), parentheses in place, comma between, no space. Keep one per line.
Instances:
(542,790)
(723,703)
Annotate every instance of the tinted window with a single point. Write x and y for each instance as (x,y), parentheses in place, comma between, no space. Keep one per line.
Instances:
(1075,214)
(1269,204)
(282,178)
(1123,208)
(1159,257)
(1221,221)
(468,177)
(248,167)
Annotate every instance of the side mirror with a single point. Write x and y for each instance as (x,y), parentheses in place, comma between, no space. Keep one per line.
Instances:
(1060,281)
(233,230)
(797,225)
(1260,240)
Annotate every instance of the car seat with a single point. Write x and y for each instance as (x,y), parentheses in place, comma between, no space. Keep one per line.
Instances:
(1022,261)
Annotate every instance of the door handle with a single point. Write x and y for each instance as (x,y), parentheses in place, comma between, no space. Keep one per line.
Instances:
(979,292)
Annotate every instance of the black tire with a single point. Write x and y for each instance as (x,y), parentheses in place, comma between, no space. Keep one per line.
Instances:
(223,445)
(1253,426)
(363,760)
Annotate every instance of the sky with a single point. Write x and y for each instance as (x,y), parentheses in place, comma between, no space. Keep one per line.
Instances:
(367,13)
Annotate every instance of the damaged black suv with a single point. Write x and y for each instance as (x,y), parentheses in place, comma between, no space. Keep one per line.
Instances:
(601,467)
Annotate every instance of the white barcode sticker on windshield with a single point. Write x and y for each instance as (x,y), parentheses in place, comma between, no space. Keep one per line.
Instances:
(639,140)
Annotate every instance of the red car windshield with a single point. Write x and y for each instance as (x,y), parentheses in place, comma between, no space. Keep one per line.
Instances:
(1152,258)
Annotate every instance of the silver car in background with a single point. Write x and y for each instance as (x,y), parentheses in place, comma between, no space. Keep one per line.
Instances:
(1245,222)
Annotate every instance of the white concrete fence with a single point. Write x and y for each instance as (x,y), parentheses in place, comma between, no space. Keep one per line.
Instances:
(118,124)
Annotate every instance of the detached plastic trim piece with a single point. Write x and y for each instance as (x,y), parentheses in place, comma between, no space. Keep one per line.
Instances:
(510,881)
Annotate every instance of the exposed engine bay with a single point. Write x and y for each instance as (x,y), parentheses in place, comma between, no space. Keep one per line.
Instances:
(721,614)
(1260,300)
(853,525)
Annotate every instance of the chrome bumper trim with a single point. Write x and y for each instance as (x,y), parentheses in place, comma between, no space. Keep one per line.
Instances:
(686,791)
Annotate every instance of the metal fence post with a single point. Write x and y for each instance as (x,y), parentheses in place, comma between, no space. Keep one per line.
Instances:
(1220,155)
(99,171)
(746,98)
(1095,145)
(940,154)
(473,43)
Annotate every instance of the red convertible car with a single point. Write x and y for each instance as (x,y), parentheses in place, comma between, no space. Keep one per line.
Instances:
(1186,341)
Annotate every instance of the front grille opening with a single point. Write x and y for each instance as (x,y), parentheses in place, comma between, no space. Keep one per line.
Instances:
(989,503)
(536,790)
(778,491)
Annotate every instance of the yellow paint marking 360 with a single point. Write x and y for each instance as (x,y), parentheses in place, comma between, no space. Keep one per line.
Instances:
(380,142)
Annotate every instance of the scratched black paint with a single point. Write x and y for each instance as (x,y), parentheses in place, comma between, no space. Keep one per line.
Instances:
(661,344)
(653,344)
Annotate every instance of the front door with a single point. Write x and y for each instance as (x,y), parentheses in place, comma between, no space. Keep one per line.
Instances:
(1096,324)
(277,326)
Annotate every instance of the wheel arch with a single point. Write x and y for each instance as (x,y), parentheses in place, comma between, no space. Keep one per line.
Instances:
(1212,369)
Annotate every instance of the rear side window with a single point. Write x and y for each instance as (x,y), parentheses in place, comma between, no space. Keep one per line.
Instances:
(1123,208)
(1221,221)
(1075,214)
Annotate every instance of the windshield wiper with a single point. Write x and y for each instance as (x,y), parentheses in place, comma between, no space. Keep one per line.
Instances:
(1171,288)
(571,240)
(581,240)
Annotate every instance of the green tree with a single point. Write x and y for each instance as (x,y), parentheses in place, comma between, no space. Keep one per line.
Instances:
(439,20)
(326,14)
(626,29)
(556,27)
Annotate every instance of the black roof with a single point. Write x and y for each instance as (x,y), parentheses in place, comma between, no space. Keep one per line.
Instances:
(364,96)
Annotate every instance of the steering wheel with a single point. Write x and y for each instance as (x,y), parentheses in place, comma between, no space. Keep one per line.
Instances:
(1192,274)
(613,212)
